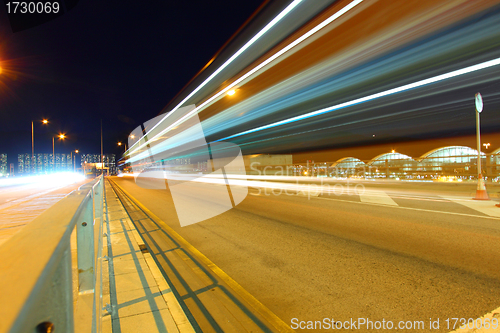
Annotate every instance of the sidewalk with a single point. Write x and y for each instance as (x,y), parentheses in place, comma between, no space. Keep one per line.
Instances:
(211,299)
(141,300)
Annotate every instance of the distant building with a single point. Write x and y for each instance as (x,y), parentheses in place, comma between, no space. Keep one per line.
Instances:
(43,163)
(46,162)
(3,165)
(108,160)
(23,164)
(39,163)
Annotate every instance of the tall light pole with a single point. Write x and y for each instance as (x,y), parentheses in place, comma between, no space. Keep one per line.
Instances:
(61,137)
(74,159)
(102,154)
(45,122)
(119,144)
(53,156)
(481,193)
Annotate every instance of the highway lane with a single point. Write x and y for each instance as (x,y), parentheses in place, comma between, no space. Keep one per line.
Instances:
(9,194)
(17,189)
(21,203)
(321,257)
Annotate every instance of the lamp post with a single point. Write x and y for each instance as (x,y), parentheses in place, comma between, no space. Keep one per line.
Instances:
(73,159)
(45,122)
(481,193)
(119,144)
(61,137)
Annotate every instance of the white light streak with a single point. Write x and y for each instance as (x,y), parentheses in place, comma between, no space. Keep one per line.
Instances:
(55,179)
(406,87)
(283,13)
(257,68)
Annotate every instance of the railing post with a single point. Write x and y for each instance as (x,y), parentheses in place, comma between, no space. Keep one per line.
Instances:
(85,248)
(98,191)
(55,310)
(98,194)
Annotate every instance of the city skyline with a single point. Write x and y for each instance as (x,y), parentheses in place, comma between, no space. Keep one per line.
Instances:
(45,163)
(75,89)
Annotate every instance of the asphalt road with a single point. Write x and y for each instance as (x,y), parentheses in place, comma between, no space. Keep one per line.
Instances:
(22,191)
(339,257)
(22,203)
(24,188)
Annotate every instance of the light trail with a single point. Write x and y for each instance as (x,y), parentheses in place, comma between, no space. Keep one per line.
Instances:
(55,179)
(378,62)
(406,87)
(288,9)
(431,80)
(251,72)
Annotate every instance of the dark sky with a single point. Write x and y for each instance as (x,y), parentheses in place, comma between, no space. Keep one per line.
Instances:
(119,61)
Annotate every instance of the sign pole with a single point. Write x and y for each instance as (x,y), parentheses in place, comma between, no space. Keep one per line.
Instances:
(478,140)
(481,193)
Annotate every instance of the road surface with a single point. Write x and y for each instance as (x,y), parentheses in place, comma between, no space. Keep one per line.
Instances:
(411,255)
(21,203)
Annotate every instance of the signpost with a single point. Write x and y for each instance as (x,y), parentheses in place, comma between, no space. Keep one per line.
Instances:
(481,193)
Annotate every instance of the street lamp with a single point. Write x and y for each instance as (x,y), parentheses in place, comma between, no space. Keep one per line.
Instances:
(60,137)
(486,145)
(73,159)
(45,122)
(119,144)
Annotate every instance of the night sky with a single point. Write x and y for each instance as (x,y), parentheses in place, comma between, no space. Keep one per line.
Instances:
(119,61)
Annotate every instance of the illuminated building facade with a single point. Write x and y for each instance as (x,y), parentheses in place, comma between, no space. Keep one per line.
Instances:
(108,160)
(3,165)
(43,163)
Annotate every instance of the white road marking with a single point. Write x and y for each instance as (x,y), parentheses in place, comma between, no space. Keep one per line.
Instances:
(411,208)
(483,206)
(376,196)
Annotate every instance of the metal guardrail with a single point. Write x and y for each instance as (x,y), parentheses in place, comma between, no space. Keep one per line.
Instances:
(36,281)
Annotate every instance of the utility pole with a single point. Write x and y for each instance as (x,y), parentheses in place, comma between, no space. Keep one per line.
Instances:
(102,157)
